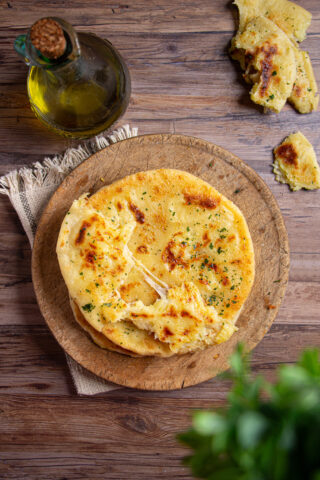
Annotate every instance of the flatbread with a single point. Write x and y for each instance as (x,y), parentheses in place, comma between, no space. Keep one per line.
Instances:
(304,96)
(296,164)
(159,262)
(290,17)
(267,56)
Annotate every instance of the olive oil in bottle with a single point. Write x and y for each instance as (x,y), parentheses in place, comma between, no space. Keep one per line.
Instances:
(78,84)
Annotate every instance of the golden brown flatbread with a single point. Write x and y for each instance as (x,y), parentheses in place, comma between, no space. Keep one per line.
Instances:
(158,262)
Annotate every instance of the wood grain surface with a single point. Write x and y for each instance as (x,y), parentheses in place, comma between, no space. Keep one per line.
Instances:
(234,179)
(182,82)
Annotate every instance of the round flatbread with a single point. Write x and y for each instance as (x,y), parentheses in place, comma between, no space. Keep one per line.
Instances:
(158,262)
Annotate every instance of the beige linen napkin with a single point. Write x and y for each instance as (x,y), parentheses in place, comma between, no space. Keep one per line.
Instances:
(29,190)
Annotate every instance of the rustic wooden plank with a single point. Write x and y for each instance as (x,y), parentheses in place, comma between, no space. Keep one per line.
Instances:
(120,438)
(134,16)
(249,137)
(33,363)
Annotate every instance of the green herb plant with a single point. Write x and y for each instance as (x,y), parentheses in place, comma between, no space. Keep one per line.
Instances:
(267,431)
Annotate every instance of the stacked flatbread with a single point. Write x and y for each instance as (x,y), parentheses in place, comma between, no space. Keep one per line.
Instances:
(158,263)
(266,46)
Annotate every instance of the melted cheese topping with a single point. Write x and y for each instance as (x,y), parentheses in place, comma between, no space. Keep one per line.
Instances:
(296,164)
(159,262)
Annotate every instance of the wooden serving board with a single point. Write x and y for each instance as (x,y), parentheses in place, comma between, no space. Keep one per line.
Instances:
(229,175)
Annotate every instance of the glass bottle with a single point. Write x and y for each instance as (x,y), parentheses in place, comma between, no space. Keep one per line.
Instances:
(81,93)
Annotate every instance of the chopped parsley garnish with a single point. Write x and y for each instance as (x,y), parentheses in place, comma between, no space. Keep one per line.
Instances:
(107,304)
(219,250)
(271,96)
(274,73)
(211,246)
(188,229)
(237,191)
(89,291)
(81,273)
(88,307)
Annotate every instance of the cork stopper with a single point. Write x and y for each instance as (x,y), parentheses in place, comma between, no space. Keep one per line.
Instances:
(47,36)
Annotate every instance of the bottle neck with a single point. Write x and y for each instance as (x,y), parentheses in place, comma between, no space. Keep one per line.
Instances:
(66,64)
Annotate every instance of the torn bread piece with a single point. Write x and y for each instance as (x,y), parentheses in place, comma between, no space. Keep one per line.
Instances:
(98,338)
(304,96)
(293,20)
(296,164)
(267,56)
(290,17)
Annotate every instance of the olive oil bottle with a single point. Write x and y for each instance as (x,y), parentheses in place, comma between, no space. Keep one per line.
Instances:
(78,84)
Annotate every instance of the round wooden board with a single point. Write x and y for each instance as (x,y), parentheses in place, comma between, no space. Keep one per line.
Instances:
(229,175)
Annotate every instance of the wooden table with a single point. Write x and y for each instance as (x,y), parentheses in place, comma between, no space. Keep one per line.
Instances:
(182,81)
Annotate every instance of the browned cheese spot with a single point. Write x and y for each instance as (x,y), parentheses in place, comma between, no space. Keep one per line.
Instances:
(119,206)
(142,249)
(169,257)
(125,289)
(142,315)
(237,261)
(203,201)
(167,332)
(288,154)
(137,213)
(82,232)
(213,266)
(171,313)
(225,281)
(297,90)
(267,66)
(116,271)
(206,239)
(84,226)
(184,313)
(90,257)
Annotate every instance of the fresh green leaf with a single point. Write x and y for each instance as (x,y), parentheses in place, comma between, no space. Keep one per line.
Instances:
(207,423)
(267,431)
(250,427)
